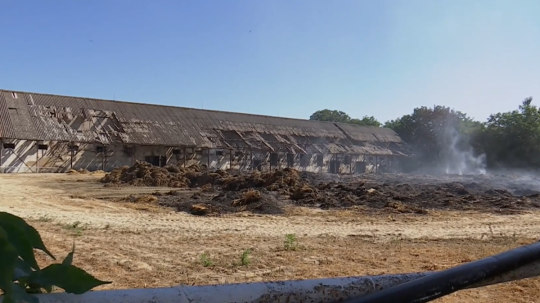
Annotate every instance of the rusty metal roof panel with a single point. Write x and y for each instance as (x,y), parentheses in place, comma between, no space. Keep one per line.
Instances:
(273,125)
(375,150)
(54,113)
(48,128)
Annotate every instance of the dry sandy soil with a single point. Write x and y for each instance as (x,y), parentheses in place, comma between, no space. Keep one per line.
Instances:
(138,245)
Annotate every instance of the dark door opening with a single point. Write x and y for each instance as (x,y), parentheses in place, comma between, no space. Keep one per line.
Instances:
(257,164)
(305,160)
(360,167)
(320,160)
(156,160)
(334,166)
(274,159)
(290,160)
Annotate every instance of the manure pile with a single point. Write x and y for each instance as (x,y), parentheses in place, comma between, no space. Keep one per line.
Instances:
(221,192)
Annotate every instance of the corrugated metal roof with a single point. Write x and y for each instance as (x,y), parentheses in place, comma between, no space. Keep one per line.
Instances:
(6,128)
(46,117)
(19,115)
(369,134)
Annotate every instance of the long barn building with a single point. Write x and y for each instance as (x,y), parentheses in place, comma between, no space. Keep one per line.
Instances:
(51,133)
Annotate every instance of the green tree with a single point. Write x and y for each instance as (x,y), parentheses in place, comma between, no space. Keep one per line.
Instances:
(512,139)
(330,116)
(434,134)
(366,121)
(341,117)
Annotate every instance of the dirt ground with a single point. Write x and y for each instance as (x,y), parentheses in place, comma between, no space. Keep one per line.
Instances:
(137,237)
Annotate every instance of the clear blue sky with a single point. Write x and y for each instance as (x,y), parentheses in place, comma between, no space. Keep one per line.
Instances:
(278,57)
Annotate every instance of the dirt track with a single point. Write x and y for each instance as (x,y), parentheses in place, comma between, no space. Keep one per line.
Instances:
(145,245)
(66,198)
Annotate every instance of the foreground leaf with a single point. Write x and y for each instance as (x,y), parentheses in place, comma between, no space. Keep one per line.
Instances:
(22,269)
(8,257)
(70,278)
(17,238)
(69,258)
(18,294)
(31,234)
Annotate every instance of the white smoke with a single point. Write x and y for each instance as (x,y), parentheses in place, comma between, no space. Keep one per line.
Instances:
(459,159)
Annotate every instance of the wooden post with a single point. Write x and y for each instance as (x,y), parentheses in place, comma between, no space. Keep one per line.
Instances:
(103,158)
(251,159)
(159,156)
(37,157)
(185,156)
(1,155)
(336,166)
(71,155)
(230,158)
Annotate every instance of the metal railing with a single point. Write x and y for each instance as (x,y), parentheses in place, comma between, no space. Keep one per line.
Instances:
(520,263)
(516,264)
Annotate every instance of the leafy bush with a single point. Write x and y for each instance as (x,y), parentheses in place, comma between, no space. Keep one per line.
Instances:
(291,243)
(206,261)
(244,260)
(20,275)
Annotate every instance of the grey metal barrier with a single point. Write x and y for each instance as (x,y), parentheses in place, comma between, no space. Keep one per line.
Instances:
(516,264)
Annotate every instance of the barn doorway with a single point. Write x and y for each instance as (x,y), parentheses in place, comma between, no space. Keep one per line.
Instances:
(156,160)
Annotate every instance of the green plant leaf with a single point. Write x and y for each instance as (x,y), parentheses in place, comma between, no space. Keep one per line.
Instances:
(8,257)
(35,288)
(18,294)
(69,258)
(30,232)
(48,288)
(22,269)
(17,238)
(70,278)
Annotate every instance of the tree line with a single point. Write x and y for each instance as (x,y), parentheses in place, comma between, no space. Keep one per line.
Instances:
(440,136)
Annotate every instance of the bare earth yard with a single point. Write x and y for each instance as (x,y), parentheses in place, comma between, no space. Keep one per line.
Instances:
(138,245)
